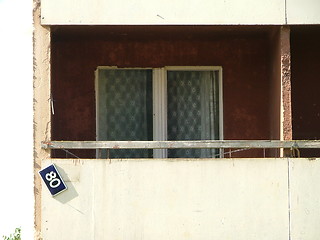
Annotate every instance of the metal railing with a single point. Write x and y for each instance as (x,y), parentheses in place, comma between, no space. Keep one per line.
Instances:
(223,144)
(291,147)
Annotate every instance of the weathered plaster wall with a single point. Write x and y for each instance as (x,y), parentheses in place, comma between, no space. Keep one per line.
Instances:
(306,85)
(280,90)
(286,117)
(243,54)
(41,106)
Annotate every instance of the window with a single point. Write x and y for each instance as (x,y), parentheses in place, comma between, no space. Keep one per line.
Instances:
(171,103)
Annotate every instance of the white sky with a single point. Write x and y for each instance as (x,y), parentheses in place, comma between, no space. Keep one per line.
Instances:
(16,161)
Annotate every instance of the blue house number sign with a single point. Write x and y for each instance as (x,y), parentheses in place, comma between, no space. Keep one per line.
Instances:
(53,180)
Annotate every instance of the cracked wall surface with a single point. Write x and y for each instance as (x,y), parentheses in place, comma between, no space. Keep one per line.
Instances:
(41,106)
(286,83)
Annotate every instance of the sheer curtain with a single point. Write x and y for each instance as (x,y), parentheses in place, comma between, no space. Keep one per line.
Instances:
(125,109)
(193,106)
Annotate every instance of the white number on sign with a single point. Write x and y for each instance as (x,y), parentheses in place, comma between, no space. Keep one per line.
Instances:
(53,181)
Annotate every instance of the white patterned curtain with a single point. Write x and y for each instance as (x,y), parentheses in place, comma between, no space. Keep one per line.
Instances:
(193,105)
(125,109)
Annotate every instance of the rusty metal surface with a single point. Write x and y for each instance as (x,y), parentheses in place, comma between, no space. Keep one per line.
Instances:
(243,56)
(305,85)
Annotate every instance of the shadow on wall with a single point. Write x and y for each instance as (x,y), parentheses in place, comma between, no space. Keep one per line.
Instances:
(70,193)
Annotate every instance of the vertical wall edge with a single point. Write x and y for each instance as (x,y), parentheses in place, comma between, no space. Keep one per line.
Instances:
(41,105)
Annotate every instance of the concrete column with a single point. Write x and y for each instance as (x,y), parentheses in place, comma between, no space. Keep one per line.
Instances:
(280,91)
(286,112)
(286,115)
(41,105)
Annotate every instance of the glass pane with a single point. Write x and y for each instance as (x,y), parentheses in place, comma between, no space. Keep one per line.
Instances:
(193,110)
(125,109)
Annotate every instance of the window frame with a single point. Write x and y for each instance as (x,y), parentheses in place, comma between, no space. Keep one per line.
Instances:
(159,80)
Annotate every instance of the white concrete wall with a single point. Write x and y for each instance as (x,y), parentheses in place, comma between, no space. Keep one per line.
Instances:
(305,198)
(159,199)
(202,199)
(163,12)
(16,163)
(303,12)
(167,12)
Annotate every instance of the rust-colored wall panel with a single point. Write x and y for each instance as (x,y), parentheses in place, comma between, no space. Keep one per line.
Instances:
(306,85)
(243,56)
(275,89)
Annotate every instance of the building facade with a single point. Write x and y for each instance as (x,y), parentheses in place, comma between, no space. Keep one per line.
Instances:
(153,74)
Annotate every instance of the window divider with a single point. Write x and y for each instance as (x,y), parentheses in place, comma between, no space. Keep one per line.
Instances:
(160,110)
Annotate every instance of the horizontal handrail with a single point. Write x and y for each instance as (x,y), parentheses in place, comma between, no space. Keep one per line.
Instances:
(293,144)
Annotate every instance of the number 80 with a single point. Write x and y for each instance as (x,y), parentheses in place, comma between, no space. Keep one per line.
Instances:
(54,182)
